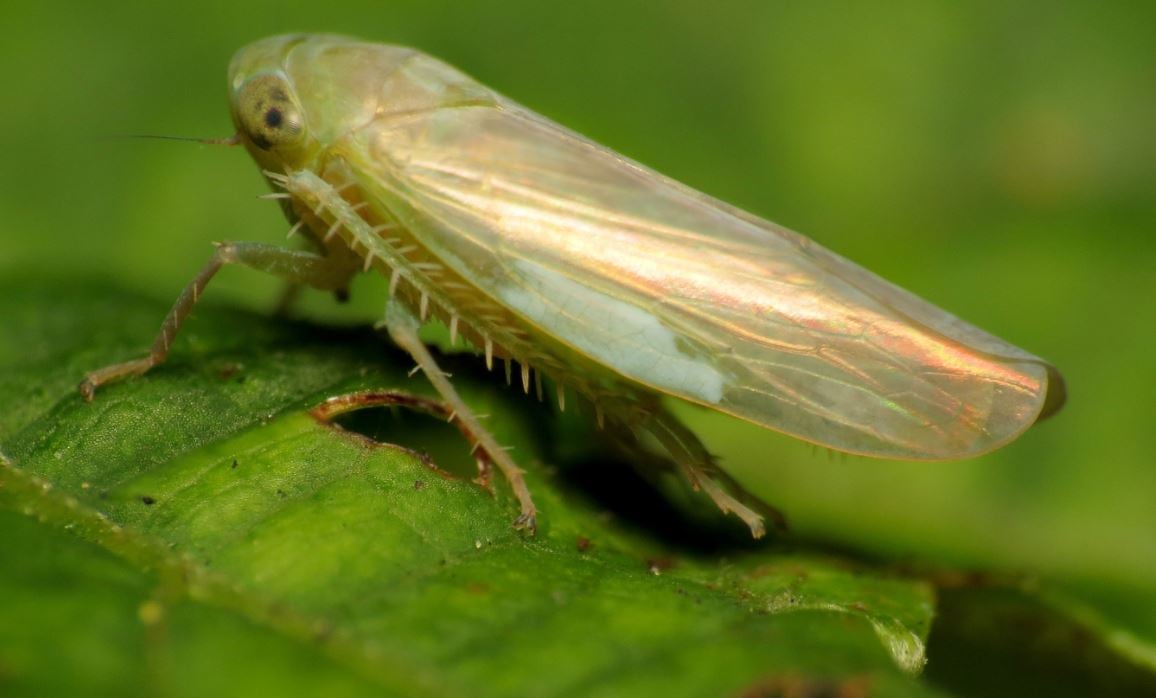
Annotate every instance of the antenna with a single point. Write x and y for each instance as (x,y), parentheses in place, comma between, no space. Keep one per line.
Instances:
(234,139)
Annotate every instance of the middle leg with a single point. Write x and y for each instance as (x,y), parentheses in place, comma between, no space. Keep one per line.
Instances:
(403,328)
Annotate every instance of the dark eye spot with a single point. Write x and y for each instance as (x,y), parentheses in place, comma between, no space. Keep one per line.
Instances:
(273,117)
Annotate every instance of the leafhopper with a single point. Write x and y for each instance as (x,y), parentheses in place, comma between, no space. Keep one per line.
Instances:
(558,256)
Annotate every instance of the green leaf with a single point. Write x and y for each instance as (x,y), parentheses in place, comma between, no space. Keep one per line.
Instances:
(221,538)
(202,530)
(1013,637)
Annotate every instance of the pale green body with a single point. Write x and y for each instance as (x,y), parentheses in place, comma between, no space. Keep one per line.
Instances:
(540,245)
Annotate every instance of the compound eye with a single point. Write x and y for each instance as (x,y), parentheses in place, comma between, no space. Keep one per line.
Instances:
(268,113)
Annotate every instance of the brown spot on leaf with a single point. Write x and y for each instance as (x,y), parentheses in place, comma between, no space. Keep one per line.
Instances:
(793,686)
(479,588)
(228,371)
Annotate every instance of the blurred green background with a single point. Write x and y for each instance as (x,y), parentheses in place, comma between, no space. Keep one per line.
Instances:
(997,158)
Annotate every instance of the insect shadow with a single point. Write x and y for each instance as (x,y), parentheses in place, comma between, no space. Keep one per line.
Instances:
(591,467)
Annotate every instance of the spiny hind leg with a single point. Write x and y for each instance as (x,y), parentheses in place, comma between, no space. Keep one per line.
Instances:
(403,328)
(296,267)
(700,469)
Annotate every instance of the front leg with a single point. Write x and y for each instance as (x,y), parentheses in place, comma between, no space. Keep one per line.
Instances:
(296,267)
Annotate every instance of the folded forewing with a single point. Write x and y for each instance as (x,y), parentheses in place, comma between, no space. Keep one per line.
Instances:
(677,291)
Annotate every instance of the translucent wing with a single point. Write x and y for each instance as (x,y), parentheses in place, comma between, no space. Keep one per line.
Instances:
(669,288)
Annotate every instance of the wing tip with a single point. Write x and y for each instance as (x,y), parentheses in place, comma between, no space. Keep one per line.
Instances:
(1056,396)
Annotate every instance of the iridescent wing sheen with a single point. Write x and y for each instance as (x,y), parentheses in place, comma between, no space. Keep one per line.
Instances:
(671,289)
